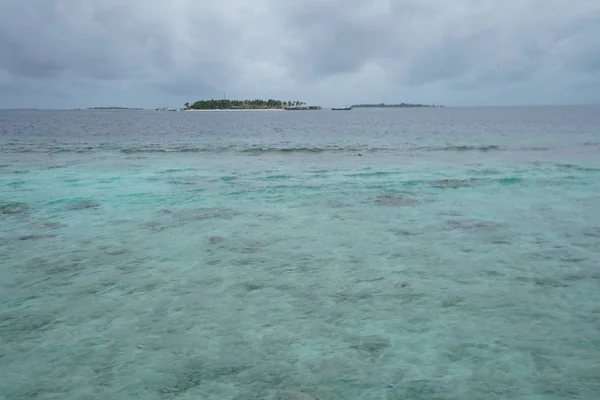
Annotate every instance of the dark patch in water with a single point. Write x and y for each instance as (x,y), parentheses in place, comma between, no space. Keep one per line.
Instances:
(164,150)
(144,288)
(592,232)
(354,296)
(395,201)
(166,211)
(268,217)
(464,148)
(546,281)
(500,241)
(568,166)
(13,208)
(16,324)
(120,221)
(335,203)
(216,239)
(51,225)
(117,251)
(277,177)
(294,394)
(35,237)
(174,170)
(154,226)
(570,258)
(192,372)
(248,247)
(581,276)
(266,150)
(83,205)
(200,214)
(509,181)
(551,282)
(470,225)
(376,174)
(535,148)
(450,183)
(59,266)
(251,286)
(577,168)
(372,346)
(417,390)
(370,280)
(405,232)
(451,213)
(452,301)
(183,181)
(17,183)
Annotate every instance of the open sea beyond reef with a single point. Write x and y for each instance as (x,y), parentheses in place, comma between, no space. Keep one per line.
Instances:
(414,254)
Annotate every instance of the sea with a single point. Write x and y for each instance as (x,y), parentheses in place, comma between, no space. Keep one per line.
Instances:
(427,253)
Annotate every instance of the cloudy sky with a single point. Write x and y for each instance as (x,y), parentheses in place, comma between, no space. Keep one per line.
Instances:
(149,53)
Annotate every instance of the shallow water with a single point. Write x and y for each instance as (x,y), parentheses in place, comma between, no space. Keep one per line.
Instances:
(371,254)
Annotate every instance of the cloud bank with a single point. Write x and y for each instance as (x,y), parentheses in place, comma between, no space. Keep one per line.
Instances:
(149,53)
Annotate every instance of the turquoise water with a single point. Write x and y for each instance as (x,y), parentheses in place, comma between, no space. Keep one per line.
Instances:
(377,254)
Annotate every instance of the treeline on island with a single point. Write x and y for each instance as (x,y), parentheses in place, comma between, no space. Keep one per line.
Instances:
(401,105)
(226,104)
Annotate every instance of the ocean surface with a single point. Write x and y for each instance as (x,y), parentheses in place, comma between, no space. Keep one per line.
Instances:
(414,254)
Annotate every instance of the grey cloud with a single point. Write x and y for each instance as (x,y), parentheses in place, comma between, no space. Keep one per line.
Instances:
(340,37)
(333,42)
(452,58)
(48,45)
(329,51)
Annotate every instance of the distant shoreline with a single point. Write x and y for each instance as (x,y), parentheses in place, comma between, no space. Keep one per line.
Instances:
(401,105)
(116,108)
(234,110)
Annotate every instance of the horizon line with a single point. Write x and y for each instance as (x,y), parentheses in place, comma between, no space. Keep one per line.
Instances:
(124,108)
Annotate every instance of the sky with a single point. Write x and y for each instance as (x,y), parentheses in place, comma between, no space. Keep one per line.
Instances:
(155,53)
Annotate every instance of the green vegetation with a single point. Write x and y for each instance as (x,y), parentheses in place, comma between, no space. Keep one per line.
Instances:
(401,105)
(226,104)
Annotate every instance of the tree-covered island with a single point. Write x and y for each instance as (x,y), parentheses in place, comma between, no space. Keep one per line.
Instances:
(226,104)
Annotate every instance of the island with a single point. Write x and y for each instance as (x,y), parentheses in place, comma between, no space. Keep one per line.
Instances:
(257,104)
(401,105)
